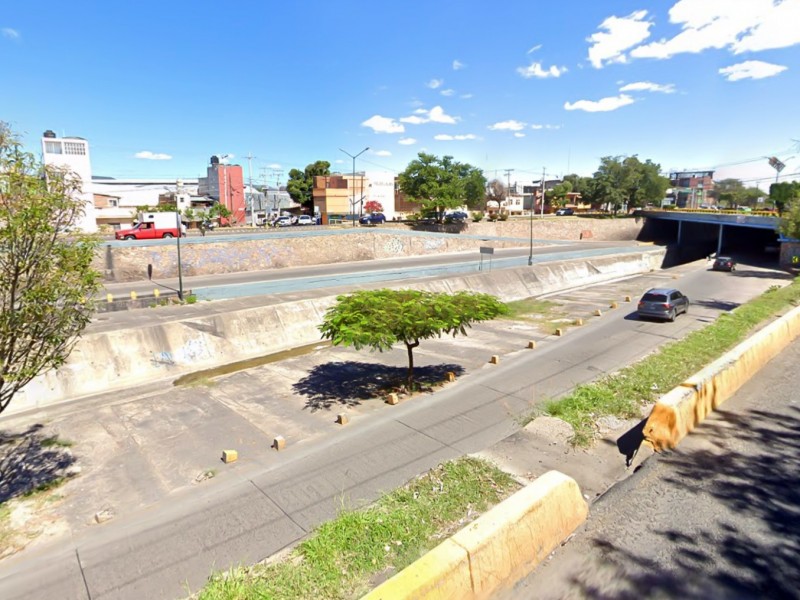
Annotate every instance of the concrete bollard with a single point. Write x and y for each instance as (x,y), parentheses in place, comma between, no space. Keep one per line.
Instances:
(598,313)
(279,443)
(229,456)
(627,298)
(392,399)
(578,321)
(133,295)
(531,345)
(450,377)
(109,298)
(613,305)
(494,360)
(559,332)
(342,419)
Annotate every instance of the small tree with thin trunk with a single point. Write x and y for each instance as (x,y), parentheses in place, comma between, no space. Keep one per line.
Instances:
(373,206)
(379,319)
(47,283)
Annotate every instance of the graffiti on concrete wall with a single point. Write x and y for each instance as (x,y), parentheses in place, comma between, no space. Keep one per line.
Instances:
(192,351)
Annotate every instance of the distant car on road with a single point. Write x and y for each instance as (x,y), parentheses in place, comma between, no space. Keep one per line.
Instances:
(373,219)
(284,221)
(306,220)
(662,303)
(564,212)
(723,263)
(457,215)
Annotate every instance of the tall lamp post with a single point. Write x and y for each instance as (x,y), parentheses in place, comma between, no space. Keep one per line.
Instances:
(353,180)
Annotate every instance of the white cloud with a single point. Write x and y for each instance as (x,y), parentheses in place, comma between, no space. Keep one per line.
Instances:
(647,86)
(751,69)
(437,115)
(275,166)
(11,34)
(407,141)
(534,49)
(414,120)
(539,126)
(435,83)
(741,26)
(447,92)
(602,105)
(535,70)
(380,124)
(517,134)
(147,155)
(465,96)
(383,153)
(434,115)
(339,161)
(510,125)
(458,65)
(443,137)
(620,34)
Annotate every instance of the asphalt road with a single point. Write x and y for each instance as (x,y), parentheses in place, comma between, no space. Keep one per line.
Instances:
(268,503)
(253,283)
(717,518)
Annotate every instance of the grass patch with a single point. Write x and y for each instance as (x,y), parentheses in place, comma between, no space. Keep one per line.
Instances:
(56,442)
(45,487)
(6,533)
(623,393)
(339,559)
(529,307)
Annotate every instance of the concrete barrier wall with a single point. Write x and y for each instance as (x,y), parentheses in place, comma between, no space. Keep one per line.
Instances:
(496,550)
(208,336)
(679,411)
(230,253)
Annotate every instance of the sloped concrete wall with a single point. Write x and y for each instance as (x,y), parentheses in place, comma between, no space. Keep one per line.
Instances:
(113,360)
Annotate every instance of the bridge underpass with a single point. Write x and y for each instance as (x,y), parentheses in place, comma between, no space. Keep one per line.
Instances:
(691,236)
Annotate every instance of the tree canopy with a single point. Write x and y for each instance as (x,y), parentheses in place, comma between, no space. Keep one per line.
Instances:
(47,283)
(301,183)
(379,319)
(628,181)
(783,193)
(442,183)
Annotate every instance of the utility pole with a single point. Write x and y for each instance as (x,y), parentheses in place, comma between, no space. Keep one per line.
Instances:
(250,158)
(508,183)
(543,170)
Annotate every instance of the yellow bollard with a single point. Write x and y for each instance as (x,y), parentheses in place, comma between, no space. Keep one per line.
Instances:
(109,298)
(133,295)
(598,313)
(531,345)
(156,293)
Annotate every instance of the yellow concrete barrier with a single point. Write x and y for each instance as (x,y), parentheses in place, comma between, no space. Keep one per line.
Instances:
(497,549)
(683,408)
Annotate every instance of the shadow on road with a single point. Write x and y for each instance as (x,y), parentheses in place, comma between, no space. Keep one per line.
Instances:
(757,481)
(349,383)
(30,461)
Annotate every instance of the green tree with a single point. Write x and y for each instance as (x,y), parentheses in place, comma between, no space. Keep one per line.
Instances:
(439,184)
(219,210)
(610,182)
(789,225)
(728,192)
(628,181)
(47,283)
(379,319)
(558,195)
(301,183)
(783,193)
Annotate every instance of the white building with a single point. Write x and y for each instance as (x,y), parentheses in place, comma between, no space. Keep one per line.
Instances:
(381,189)
(116,199)
(73,153)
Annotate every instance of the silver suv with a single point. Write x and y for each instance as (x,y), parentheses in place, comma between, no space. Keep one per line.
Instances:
(662,303)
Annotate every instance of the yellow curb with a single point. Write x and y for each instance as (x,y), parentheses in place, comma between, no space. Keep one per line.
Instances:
(499,548)
(683,408)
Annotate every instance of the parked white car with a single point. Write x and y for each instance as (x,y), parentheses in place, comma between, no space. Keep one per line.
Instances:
(305,220)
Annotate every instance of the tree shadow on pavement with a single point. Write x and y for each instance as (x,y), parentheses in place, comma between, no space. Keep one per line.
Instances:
(751,469)
(348,383)
(30,461)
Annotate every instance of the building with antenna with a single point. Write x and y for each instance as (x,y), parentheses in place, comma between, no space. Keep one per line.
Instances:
(225,184)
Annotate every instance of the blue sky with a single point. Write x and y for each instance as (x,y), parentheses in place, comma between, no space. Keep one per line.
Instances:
(158,87)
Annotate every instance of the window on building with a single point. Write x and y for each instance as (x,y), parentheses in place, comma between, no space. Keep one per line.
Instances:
(52,147)
(113,202)
(74,148)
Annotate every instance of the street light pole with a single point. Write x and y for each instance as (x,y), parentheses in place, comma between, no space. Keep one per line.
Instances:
(180,270)
(353,180)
